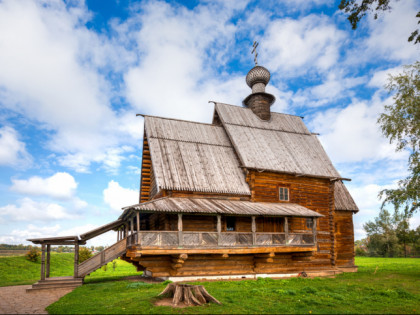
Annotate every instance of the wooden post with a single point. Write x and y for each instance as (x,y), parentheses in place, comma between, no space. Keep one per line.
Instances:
(180,236)
(47,272)
(43,262)
(314,229)
(131,230)
(76,259)
(286,230)
(219,229)
(254,231)
(138,228)
(126,231)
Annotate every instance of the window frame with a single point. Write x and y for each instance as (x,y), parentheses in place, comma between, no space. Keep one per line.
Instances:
(288,193)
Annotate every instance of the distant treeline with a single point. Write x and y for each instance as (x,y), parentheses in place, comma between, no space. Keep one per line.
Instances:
(14,247)
(58,249)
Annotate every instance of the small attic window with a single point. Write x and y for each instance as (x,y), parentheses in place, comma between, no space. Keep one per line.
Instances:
(309,223)
(284,194)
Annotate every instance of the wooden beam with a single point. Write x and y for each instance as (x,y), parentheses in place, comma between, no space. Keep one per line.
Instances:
(47,272)
(229,251)
(286,229)
(76,260)
(314,229)
(138,228)
(43,262)
(219,229)
(180,235)
(254,230)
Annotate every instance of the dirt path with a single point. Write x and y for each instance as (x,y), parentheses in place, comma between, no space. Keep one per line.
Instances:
(15,299)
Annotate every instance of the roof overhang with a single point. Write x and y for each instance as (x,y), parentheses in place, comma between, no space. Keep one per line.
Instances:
(221,206)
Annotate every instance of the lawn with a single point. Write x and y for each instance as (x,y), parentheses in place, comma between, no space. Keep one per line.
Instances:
(382,285)
(17,270)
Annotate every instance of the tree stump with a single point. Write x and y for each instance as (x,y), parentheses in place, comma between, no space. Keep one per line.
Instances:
(189,294)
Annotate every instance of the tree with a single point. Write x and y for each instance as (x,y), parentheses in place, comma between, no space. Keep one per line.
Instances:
(359,10)
(401,124)
(382,238)
(84,254)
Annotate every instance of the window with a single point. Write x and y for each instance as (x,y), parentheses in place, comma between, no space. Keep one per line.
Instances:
(284,194)
(309,223)
(230,223)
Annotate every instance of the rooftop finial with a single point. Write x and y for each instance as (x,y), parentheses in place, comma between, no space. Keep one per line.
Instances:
(254,51)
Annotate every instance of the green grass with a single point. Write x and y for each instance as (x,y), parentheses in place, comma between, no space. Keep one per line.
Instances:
(382,285)
(17,270)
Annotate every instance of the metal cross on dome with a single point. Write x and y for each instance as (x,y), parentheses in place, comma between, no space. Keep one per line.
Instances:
(254,51)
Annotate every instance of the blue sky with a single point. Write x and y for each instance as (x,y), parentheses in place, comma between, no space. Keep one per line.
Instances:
(73,74)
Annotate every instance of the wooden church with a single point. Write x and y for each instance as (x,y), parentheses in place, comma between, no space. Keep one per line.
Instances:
(253,194)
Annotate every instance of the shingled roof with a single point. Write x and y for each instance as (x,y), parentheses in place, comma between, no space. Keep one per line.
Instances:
(282,144)
(190,156)
(342,198)
(222,206)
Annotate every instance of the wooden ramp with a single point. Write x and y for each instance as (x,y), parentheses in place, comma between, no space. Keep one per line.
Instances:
(56,283)
(102,258)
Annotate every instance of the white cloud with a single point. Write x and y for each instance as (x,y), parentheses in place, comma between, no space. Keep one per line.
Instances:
(61,84)
(294,47)
(173,78)
(60,185)
(30,210)
(118,197)
(389,33)
(380,78)
(352,134)
(12,150)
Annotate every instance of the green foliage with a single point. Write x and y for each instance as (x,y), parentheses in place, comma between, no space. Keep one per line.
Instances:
(389,236)
(16,270)
(104,267)
(33,254)
(84,254)
(401,124)
(357,10)
(382,285)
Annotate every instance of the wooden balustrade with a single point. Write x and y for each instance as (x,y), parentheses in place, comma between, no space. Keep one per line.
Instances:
(171,239)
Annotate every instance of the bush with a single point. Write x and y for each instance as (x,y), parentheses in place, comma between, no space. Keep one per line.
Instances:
(33,254)
(84,254)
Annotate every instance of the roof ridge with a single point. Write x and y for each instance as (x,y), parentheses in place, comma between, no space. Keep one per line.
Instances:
(183,120)
(250,109)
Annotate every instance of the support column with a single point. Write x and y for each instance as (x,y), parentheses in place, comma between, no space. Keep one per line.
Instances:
(76,259)
(118,235)
(180,236)
(131,230)
(314,228)
(254,231)
(286,230)
(138,229)
(126,230)
(43,262)
(47,272)
(219,229)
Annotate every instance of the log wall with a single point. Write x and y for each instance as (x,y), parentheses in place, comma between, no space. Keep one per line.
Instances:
(146,185)
(344,238)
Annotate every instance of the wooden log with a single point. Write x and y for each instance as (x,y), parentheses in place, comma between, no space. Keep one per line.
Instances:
(189,294)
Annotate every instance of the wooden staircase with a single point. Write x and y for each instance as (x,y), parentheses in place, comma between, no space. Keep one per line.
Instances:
(56,283)
(104,257)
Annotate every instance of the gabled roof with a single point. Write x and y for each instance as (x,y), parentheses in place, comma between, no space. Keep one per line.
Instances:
(190,156)
(222,206)
(282,144)
(342,198)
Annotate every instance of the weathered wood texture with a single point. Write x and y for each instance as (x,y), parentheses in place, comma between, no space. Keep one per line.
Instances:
(344,245)
(211,265)
(148,186)
(316,194)
(282,144)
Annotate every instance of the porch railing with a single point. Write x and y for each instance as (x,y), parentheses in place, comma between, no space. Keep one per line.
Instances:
(212,239)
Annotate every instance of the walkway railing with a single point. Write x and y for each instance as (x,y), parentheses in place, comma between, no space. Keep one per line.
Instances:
(102,258)
(213,239)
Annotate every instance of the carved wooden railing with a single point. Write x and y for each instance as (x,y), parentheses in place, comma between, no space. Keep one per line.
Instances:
(102,258)
(212,239)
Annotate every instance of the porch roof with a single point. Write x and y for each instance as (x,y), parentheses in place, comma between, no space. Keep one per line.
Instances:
(221,206)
